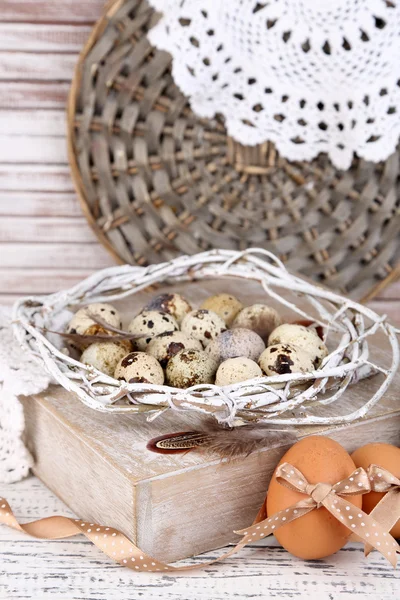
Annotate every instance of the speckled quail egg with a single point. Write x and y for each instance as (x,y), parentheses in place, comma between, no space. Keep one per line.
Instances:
(280,359)
(237,369)
(259,318)
(104,356)
(139,367)
(203,325)
(83,324)
(151,322)
(301,337)
(236,342)
(169,343)
(190,367)
(173,304)
(81,320)
(225,306)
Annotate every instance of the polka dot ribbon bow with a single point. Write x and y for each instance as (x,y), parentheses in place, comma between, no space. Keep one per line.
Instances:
(120,549)
(331,497)
(387,511)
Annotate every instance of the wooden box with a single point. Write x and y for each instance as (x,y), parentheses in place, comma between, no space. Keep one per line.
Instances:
(171,506)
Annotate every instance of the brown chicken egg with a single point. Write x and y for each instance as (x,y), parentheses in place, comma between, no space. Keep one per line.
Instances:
(318,533)
(385,456)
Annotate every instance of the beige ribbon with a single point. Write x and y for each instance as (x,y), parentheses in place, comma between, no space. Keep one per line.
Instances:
(120,549)
(331,497)
(387,511)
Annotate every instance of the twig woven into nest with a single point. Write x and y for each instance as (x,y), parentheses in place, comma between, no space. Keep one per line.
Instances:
(281,399)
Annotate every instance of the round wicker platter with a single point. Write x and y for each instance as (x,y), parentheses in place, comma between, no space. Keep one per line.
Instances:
(156,181)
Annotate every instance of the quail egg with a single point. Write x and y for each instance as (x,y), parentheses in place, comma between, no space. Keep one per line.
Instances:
(190,367)
(203,325)
(280,359)
(151,323)
(81,320)
(83,324)
(139,367)
(173,304)
(169,343)
(236,342)
(224,305)
(237,369)
(259,318)
(301,337)
(104,356)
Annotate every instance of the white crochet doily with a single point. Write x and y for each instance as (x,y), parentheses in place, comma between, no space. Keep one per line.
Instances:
(311,76)
(20,374)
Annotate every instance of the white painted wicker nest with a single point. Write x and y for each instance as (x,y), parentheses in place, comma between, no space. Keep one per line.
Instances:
(282,399)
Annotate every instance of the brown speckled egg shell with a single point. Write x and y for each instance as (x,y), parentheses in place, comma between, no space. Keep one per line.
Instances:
(190,367)
(236,342)
(104,356)
(203,325)
(225,306)
(139,367)
(318,533)
(166,345)
(82,324)
(259,318)
(280,359)
(301,337)
(173,304)
(151,323)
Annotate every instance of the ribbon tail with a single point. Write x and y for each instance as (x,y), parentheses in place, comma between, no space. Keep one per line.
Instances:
(107,539)
(263,528)
(386,512)
(365,526)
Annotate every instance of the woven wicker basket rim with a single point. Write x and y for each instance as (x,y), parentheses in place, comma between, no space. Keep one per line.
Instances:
(110,10)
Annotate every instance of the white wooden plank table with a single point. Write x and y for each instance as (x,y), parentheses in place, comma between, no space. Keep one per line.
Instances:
(45,245)
(75,570)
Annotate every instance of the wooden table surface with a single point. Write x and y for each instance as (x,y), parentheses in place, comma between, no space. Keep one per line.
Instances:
(46,245)
(75,570)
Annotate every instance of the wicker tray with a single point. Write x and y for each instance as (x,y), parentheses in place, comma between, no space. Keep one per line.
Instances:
(156,181)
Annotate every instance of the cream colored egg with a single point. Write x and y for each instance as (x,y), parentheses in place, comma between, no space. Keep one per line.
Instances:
(236,342)
(237,369)
(167,344)
(280,359)
(301,337)
(259,318)
(81,320)
(173,304)
(139,367)
(104,356)
(151,323)
(82,323)
(225,306)
(190,367)
(203,325)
